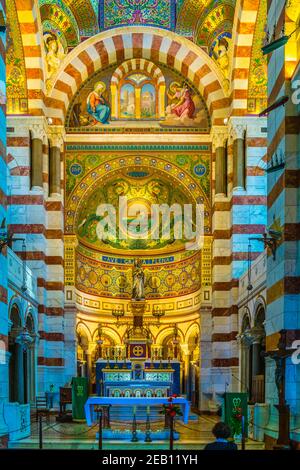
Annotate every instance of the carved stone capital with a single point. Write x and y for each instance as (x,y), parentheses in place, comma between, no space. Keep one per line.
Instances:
(254,335)
(237,128)
(219,135)
(37,131)
(56,136)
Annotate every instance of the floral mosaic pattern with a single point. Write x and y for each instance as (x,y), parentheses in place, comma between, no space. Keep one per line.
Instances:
(258,83)
(114,13)
(15,64)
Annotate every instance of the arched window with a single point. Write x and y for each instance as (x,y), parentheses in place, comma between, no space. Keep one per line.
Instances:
(138,97)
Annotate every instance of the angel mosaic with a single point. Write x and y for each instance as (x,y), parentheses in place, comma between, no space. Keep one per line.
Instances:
(220,54)
(54,54)
(184,107)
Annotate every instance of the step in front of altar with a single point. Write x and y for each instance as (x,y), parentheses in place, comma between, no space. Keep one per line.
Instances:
(120,413)
(126,434)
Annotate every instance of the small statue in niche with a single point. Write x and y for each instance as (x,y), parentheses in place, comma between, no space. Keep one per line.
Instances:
(138,289)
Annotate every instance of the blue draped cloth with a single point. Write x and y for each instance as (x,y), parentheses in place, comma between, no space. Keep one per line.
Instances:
(101,113)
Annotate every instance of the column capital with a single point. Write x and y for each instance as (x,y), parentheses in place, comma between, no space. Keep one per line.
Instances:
(219,135)
(237,128)
(253,336)
(38,131)
(56,136)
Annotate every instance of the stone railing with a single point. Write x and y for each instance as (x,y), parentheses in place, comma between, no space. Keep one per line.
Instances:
(21,275)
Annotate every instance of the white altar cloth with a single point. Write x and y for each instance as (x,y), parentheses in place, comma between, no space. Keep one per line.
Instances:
(134,401)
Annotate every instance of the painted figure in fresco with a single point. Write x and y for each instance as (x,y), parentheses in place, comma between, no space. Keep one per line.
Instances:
(222,58)
(55,54)
(97,106)
(182,104)
(138,289)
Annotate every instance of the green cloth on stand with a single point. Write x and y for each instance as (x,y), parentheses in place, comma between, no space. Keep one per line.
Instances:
(236,407)
(79,397)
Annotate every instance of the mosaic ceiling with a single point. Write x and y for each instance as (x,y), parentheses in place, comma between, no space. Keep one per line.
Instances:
(141,190)
(90,185)
(202,21)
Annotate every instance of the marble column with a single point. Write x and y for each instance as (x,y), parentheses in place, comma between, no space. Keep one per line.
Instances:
(31,373)
(89,369)
(37,134)
(56,143)
(54,171)
(238,134)
(219,141)
(256,349)
(245,350)
(20,373)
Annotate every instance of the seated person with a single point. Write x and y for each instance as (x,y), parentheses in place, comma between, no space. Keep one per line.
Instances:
(222,433)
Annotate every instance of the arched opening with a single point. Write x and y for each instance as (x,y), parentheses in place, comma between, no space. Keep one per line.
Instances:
(16,391)
(138,97)
(22,358)
(258,347)
(245,353)
(171,348)
(252,360)
(30,362)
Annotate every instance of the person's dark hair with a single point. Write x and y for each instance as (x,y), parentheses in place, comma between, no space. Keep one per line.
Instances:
(221,430)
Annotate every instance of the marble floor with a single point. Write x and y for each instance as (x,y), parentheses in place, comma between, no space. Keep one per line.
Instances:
(193,436)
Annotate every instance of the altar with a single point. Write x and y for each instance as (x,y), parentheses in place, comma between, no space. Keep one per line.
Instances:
(134,403)
(137,379)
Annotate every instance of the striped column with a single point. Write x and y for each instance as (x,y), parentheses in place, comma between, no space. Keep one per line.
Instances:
(247,190)
(283,280)
(243,33)
(248,202)
(222,360)
(32,37)
(27,205)
(236,218)
(51,358)
(38,219)
(3,261)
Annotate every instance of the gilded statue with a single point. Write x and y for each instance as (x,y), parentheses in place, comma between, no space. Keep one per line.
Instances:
(138,289)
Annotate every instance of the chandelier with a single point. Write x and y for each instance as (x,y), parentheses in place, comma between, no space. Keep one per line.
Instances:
(157,313)
(118,312)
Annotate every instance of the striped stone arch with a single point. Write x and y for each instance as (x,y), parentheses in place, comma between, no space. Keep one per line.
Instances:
(141,65)
(246,13)
(139,42)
